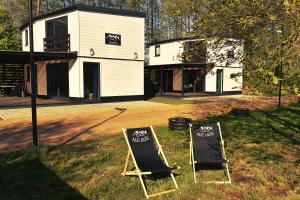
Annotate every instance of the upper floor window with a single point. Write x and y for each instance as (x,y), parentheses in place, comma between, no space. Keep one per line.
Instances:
(230,54)
(26,37)
(157,50)
(57,27)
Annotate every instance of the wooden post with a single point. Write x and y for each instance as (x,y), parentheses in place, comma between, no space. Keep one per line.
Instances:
(182,82)
(4,74)
(161,81)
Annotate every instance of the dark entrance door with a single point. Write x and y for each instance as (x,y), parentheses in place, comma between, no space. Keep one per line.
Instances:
(91,83)
(58,80)
(168,80)
(194,81)
(219,81)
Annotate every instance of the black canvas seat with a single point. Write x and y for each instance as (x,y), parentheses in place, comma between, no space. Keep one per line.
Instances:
(206,144)
(207,147)
(144,150)
(145,155)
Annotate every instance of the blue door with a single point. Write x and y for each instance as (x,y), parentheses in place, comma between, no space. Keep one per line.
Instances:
(91,81)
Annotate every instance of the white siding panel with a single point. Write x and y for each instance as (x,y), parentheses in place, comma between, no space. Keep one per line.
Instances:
(169,54)
(39,32)
(75,78)
(121,78)
(93,27)
(232,84)
(211,81)
(229,84)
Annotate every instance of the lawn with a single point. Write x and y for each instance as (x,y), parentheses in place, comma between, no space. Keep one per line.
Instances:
(263,149)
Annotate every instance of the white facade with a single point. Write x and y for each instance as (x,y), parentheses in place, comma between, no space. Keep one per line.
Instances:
(121,67)
(217,56)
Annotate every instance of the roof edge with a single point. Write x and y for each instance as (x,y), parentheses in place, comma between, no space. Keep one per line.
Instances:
(172,40)
(80,7)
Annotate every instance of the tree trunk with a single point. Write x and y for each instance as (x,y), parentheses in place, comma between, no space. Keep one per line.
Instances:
(38,7)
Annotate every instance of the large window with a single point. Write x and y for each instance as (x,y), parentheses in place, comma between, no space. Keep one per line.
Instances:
(157,50)
(57,27)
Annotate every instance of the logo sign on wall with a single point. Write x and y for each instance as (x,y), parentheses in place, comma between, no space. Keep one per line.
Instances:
(112,39)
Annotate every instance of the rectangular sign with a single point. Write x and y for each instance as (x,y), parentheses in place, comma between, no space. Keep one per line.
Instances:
(112,39)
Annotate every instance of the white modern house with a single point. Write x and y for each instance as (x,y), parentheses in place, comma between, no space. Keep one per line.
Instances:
(195,66)
(86,52)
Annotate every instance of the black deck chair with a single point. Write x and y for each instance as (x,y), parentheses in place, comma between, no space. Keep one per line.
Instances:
(146,158)
(207,148)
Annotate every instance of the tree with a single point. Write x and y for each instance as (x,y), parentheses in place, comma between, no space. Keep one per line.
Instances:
(9,35)
(270,31)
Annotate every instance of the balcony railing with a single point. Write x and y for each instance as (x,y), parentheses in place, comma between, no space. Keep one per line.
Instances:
(58,43)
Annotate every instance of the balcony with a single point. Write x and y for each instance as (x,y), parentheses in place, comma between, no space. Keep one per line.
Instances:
(194,52)
(57,44)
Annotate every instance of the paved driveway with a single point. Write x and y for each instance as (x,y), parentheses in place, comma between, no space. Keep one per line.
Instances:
(65,124)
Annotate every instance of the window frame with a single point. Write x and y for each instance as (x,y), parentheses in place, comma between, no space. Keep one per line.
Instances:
(26,37)
(230,54)
(155,50)
(54,26)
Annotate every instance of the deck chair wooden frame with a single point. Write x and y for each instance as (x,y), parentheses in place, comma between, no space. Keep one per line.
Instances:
(193,162)
(139,173)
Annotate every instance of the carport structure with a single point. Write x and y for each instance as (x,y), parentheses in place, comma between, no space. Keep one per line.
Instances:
(20,59)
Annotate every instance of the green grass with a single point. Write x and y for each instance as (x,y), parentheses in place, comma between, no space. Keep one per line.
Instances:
(175,101)
(263,149)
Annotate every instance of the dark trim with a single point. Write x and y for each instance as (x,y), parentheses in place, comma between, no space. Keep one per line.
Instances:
(179,65)
(23,57)
(171,40)
(87,8)
(122,98)
(110,58)
(225,93)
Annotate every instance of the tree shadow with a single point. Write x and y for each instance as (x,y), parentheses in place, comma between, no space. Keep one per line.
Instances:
(90,128)
(31,179)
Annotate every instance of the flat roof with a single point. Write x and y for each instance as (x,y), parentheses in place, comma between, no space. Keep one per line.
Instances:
(23,57)
(95,9)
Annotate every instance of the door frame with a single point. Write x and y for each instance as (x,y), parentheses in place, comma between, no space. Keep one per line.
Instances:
(98,77)
(48,65)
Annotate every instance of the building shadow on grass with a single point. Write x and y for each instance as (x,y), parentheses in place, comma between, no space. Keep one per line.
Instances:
(31,179)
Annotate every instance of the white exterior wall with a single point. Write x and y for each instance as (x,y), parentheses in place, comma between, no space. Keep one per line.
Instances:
(117,77)
(117,80)
(169,54)
(215,54)
(93,27)
(229,84)
(39,32)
